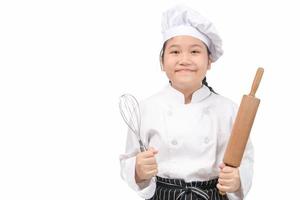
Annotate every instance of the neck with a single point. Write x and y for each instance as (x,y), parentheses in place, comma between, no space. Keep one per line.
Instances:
(188,98)
(187,92)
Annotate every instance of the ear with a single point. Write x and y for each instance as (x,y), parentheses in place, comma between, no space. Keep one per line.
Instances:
(162,66)
(209,63)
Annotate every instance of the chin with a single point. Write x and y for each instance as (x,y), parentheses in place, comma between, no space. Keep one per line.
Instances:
(186,83)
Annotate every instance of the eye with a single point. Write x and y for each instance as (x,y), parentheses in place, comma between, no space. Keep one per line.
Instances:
(174,52)
(196,52)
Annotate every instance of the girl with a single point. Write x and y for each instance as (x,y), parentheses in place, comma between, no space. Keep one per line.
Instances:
(187,125)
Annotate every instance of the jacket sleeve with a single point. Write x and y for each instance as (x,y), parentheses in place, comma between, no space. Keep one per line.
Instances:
(127,163)
(246,167)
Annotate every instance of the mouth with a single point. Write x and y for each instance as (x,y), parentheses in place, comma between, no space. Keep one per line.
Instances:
(185,70)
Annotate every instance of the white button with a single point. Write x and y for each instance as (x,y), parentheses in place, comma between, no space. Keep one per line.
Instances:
(206,110)
(206,140)
(174,142)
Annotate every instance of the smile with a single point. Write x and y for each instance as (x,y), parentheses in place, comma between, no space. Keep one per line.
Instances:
(185,70)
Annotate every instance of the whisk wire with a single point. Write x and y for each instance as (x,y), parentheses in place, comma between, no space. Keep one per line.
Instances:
(129,109)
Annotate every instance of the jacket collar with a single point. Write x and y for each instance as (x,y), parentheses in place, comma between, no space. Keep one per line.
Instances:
(176,96)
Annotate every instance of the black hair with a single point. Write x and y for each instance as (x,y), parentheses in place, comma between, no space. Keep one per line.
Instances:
(161,56)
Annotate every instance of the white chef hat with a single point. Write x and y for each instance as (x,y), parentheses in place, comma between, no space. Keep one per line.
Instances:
(182,20)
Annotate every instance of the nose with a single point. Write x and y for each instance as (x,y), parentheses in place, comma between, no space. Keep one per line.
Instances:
(185,59)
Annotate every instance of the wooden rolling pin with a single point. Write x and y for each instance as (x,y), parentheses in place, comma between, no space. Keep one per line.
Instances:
(242,125)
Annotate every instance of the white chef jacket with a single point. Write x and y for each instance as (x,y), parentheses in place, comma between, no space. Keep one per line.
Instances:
(190,139)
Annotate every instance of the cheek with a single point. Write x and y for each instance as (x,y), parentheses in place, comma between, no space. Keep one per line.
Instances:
(201,59)
(202,64)
(168,65)
(169,72)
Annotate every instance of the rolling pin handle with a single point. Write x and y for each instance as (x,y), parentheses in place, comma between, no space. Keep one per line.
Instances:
(256,81)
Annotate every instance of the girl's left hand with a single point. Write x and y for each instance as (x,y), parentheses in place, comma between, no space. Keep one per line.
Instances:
(229,179)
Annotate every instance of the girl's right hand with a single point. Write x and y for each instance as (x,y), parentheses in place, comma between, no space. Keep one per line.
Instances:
(145,165)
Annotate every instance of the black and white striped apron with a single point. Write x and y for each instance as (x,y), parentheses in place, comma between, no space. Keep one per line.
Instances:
(178,189)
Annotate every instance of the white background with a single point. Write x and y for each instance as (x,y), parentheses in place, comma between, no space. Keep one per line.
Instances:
(63,65)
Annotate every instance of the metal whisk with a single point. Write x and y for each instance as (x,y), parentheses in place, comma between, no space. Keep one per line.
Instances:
(130,111)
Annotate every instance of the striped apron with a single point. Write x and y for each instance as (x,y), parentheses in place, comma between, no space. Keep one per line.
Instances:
(178,189)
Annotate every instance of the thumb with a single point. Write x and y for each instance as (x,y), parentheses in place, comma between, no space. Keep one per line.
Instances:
(154,151)
(222,165)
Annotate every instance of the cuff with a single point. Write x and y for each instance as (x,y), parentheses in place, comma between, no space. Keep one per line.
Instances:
(238,195)
(145,189)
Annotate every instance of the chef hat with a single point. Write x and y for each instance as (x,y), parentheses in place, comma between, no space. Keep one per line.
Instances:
(182,20)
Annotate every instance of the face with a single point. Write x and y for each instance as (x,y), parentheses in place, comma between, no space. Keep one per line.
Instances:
(186,62)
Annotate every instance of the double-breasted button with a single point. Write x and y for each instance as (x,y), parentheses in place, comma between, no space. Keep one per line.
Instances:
(174,142)
(206,140)
(206,111)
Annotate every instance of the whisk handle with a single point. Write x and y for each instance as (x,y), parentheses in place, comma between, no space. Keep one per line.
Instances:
(143,149)
(142,146)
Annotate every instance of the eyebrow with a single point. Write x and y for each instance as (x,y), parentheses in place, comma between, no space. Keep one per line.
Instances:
(197,45)
(194,45)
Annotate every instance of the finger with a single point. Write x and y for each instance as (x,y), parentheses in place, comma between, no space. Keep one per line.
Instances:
(147,154)
(149,161)
(223,188)
(152,173)
(225,175)
(150,167)
(148,170)
(219,186)
(225,182)
(227,169)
